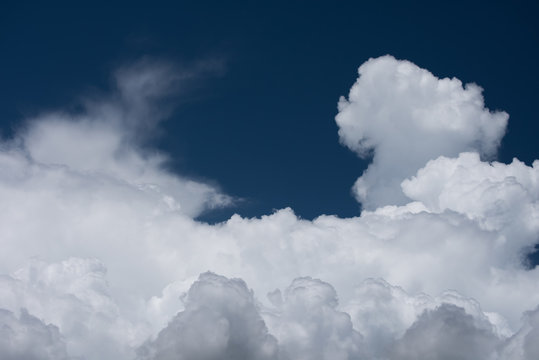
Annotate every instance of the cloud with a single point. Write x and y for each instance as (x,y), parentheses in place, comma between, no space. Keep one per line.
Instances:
(104,141)
(309,326)
(74,296)
(26,337)
(220,321)
(446,333)
(523,345)
(403,116)
(384,313)
(99,238)
(81,185)
(500,197)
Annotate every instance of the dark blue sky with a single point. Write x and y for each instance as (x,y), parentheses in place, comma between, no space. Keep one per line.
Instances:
(263,128)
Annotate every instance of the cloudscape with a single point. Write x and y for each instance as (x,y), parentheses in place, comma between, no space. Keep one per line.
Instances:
(103,258)
(110,246)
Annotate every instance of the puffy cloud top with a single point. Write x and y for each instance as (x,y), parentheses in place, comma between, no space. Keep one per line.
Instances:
(309,326)
(404,116)
(446,333)
(220,321)
(500,197)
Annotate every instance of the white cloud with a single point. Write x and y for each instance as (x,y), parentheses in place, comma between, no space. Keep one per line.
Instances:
(118,248)
(223,319)
(404,116)
(74,296)
(103,142)
(309,326)
(501,198)
(383,313)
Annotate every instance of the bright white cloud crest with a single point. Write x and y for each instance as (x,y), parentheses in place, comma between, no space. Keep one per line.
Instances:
(405,116)
(102,257)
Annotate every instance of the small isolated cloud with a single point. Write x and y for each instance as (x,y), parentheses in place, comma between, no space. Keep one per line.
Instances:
(402,116)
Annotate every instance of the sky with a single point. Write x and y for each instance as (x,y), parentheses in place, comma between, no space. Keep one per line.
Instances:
(257,180)
(269,102)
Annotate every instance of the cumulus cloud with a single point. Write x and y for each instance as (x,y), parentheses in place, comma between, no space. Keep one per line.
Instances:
(524,345)
(27,337)
(99,240)
(74,296)
(402,116)
(83,183)
(309,326)
(220,321)
(446,333)
(383,313)
(500,197)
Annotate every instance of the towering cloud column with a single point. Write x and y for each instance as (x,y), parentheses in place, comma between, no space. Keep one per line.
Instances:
(403,116)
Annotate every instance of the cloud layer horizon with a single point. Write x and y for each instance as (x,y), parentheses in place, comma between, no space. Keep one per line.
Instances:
(103,258)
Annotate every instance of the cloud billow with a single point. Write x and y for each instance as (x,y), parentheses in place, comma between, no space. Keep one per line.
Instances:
(220,321)
(402,116)
(102,256)
(27,337)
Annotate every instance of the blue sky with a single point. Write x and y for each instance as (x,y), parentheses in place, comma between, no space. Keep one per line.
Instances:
(261,125)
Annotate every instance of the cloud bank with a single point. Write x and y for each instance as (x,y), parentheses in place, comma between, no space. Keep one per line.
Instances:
(102,258)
